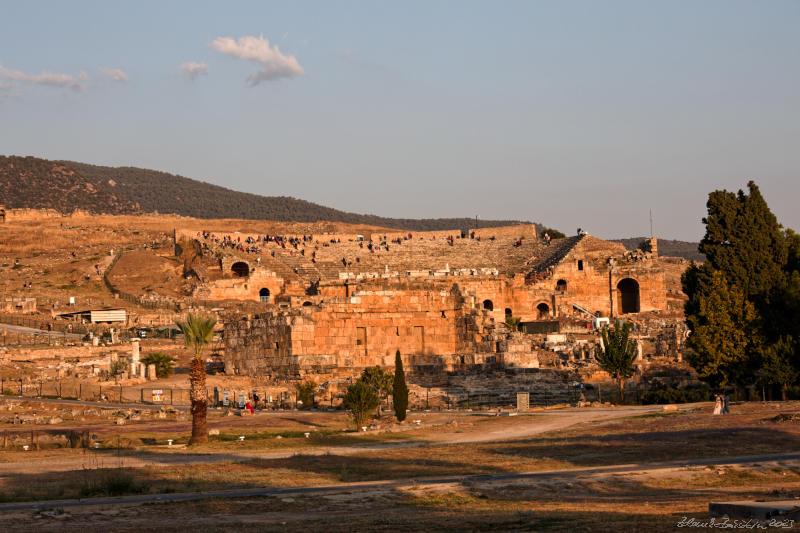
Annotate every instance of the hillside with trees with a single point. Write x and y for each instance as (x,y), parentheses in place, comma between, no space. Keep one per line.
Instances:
(162,192)
(29,182)
(667,248)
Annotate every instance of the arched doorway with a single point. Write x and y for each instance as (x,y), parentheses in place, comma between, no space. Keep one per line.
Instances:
(488,305)
(628,296)
(508,312)
(263,295)
(542,311)
(561,286)
(240,269)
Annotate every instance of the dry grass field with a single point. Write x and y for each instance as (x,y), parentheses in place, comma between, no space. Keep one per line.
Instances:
(640,495)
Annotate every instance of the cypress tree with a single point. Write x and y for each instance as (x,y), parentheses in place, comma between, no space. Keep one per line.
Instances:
(400,389)
(745,300)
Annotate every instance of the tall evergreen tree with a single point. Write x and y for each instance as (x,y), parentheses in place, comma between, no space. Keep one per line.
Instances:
(724,335)
(400,388)
(745,241)
(746,297)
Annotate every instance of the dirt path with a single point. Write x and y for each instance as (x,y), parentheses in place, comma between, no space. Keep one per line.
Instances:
(371,486)
(523,426)
(33,331)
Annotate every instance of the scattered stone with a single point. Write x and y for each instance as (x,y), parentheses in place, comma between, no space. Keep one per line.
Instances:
(786,417)
(213,432)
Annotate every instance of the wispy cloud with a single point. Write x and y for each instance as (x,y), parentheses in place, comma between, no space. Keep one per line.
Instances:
(274,64)
(193,69)
(51,79)
(115,74)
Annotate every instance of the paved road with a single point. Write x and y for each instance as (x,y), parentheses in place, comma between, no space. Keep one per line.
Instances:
(33,331)
(390,484)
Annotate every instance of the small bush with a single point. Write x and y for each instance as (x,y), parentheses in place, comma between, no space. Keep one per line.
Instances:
(360,400)
(305,393)
(165,364)
(118,366)
(661,394)
(111,483)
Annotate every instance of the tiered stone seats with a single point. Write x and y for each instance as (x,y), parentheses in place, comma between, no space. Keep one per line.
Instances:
(418,255)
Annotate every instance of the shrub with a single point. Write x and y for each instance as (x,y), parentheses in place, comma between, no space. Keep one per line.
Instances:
(361,400)
(118,366)
(661,394)
(305,393)
(111,483)
(380,381)
(164,363)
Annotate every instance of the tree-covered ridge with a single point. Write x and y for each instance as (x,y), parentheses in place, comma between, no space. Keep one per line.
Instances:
(667,248)
(29,182)
(169,193)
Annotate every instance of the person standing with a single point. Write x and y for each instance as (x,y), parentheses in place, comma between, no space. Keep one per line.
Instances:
(717,405)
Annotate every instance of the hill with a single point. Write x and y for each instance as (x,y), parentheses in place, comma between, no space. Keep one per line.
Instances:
(668,248)
(68,185)
(41,184)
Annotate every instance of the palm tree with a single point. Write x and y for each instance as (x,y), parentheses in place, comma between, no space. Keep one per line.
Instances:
(616,352)
(512,323)
(197,332)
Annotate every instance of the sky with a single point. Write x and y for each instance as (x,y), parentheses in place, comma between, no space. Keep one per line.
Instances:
(574,114)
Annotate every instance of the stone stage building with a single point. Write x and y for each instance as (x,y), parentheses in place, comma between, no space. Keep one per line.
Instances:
(330,305)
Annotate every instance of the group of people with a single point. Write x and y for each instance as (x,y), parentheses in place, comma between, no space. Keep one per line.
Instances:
(721,404)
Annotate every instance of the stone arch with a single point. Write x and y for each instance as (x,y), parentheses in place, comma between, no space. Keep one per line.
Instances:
(240,269)
(509,314)
(628,296)
(542,311)
(264,295)
(561,285)
(488,305)
(306,304)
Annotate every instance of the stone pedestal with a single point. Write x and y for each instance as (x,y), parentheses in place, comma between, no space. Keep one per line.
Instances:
(151,372)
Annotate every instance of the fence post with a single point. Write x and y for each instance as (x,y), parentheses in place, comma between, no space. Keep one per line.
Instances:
(170,397)
(59,390)
(3,386)
(141,395)
(427,397)
(80,390)
(20,386)
(120,394)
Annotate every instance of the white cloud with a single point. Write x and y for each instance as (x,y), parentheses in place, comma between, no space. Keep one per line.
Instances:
(115,74)
(51,79)
(82,75)
(274,64)
(194,69)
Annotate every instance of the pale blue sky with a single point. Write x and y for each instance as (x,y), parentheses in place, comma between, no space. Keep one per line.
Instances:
(569,113)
